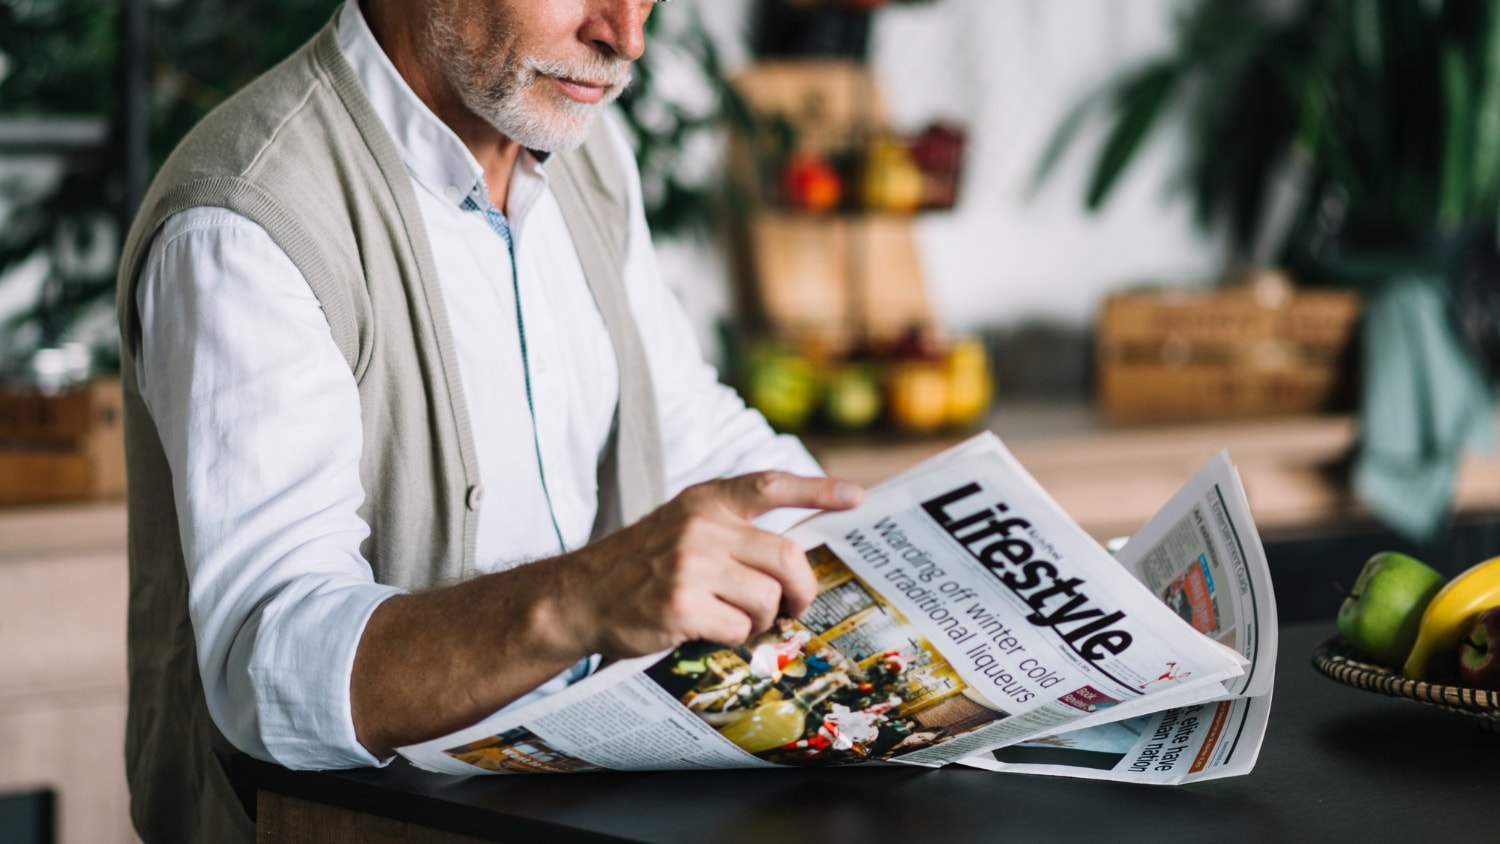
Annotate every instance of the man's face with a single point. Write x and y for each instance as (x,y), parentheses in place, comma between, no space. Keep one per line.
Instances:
(537,70)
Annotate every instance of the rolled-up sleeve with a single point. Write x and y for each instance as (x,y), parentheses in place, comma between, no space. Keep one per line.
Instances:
(259,417)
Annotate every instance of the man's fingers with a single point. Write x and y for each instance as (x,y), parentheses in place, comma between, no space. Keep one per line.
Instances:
(754,593)
(723,624)
(750,495)
(781,559)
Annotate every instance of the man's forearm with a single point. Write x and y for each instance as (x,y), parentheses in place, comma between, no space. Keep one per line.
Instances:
(434,662)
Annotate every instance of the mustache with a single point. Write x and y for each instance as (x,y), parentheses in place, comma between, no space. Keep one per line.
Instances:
(614,73)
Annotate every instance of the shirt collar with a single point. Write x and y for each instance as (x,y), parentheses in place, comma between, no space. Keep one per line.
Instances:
(432,153)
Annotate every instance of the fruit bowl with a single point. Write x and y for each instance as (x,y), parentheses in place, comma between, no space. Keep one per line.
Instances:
(1339,662)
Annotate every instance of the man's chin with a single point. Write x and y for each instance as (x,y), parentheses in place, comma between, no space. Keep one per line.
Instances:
(554,141)
(564,130)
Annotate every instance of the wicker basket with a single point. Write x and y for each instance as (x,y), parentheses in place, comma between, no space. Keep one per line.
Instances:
(1339,662)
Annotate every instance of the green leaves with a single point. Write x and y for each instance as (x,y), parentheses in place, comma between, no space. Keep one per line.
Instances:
(1459,97)
(1140,103)
(675,132)
(1394,105)
(203,50)
(60,58)
(1485,149)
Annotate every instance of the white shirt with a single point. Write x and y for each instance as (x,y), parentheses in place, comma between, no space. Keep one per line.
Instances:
(259,416)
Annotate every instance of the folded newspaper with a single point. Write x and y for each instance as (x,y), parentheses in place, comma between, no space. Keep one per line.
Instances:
(962,616)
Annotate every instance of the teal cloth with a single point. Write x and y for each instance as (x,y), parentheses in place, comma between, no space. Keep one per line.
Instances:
(1424,404)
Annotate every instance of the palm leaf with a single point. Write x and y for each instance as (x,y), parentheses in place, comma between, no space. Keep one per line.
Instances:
(1141,100)
(1064,136)
(1486,122)
(1458,95)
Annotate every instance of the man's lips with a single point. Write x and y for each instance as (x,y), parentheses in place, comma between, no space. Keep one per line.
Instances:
(582,90)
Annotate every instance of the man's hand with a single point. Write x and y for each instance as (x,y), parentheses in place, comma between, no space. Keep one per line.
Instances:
(696,568)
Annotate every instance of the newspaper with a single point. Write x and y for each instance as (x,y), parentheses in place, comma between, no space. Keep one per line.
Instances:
(960,611)
(1201,555)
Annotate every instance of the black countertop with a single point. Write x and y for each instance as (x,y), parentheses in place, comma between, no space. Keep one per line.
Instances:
(1338,764)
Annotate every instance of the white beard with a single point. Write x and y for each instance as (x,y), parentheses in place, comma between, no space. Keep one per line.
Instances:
(561,124)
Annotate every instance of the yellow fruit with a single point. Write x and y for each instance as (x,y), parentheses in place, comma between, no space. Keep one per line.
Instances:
(919,396)
(969,386)
(1450,615)
(892,180)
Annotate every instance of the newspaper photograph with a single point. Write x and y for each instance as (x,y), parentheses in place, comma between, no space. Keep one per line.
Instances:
(959,611)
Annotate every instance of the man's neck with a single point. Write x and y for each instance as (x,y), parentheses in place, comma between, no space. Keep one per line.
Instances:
(495,152)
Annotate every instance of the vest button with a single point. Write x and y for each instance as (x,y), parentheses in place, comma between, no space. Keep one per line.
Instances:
(476,496)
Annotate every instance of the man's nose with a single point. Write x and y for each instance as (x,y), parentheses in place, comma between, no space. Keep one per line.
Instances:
(617,27)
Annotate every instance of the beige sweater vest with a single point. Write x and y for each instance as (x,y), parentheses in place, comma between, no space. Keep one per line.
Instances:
(302,152)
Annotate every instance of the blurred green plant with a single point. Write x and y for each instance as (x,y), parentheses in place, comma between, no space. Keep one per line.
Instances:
(674,114)
(57,58)
(60,59)
(1388,111)
(204,50)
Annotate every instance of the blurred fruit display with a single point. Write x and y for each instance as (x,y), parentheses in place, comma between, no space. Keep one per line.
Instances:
(811,97)
(894,174)
(827,191)
(915,386)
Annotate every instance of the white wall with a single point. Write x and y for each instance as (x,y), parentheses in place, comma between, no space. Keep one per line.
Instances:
(1010,70)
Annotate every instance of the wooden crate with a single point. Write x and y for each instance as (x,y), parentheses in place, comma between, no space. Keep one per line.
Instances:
(63,447)
(1261,349)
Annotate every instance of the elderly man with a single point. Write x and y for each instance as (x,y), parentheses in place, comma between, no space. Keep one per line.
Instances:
(392,327)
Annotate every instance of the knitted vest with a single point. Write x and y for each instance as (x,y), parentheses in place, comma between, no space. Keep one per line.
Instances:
(301,152)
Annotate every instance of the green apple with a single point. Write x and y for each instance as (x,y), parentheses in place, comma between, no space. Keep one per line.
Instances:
(783,387)
(1383,611)
(852,400)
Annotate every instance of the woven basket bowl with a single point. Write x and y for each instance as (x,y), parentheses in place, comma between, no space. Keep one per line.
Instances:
(1343,664)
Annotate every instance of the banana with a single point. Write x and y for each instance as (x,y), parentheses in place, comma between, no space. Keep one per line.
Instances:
(1448,617)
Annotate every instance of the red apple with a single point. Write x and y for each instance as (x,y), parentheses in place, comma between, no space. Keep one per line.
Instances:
(1479,657)
(810,183)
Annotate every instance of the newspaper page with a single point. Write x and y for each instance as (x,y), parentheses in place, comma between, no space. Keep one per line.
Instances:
(959,610)
(1201,555)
